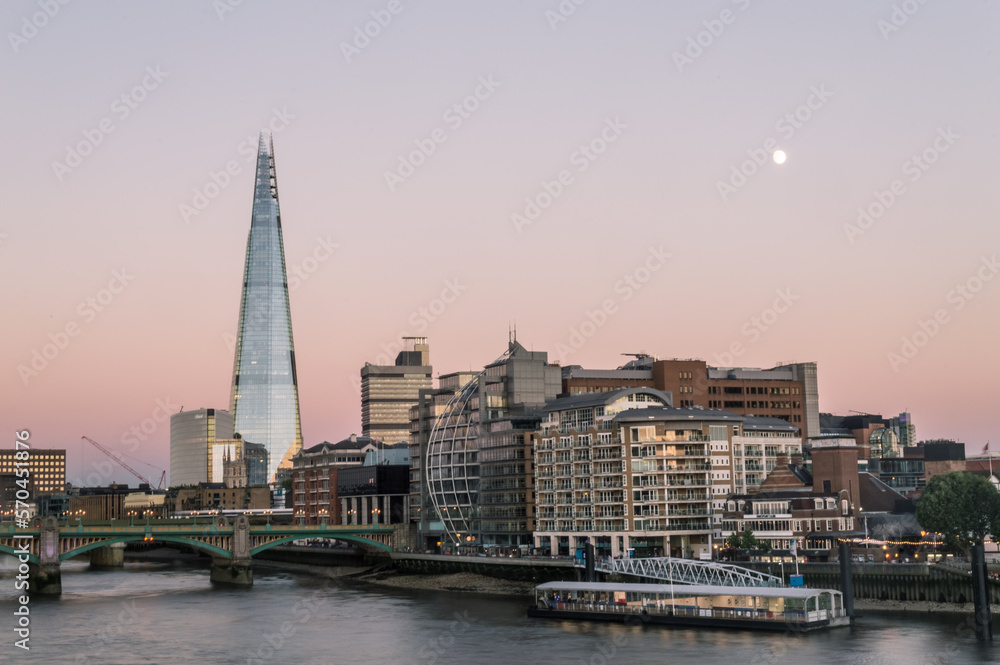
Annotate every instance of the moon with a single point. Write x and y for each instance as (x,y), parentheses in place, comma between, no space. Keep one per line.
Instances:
(779,156)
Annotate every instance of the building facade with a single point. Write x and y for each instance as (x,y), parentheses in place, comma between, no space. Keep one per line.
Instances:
(388,392)
(253,456)
(431,405)
(46,470)
(788,392)
(315,476)
(627,472)
(506,394)
(192,436)
(373,494)
(264,399)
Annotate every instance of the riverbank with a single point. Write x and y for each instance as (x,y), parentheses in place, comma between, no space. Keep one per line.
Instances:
(866,605)
(460,582)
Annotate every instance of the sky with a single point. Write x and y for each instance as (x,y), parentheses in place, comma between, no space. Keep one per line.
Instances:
(599,174)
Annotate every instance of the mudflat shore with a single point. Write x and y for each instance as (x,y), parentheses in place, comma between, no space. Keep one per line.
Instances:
(463,582)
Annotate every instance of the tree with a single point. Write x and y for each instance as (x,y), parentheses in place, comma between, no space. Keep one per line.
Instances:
(963,507)
(745,540)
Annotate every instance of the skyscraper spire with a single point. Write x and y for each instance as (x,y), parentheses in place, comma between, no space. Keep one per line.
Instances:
(265,394)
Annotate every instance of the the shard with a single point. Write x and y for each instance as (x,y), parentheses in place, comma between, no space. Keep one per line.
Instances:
(265,395)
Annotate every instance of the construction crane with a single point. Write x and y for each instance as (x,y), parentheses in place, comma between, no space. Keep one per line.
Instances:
(126,466)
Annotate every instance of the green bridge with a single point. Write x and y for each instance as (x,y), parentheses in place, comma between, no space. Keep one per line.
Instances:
(231,543)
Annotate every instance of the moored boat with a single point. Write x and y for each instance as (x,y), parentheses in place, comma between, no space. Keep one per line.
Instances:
(755,608)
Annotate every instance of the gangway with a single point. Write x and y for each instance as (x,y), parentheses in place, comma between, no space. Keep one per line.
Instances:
(687,571)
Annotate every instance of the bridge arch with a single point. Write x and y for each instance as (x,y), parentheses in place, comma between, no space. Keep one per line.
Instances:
(361,540)
(215,551)
(32,558)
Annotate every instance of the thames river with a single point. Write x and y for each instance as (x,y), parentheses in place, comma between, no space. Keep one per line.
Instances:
(169,613)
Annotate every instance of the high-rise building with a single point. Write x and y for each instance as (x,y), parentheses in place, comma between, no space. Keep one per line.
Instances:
(265,394)
(389,391)
(192,436)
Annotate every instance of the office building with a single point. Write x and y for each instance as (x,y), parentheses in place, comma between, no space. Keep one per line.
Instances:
(376,492)
(481,434)
(388,392)
(265,397)
(789,392)
(431,404)
(46,470)
(314,476)
(193,434)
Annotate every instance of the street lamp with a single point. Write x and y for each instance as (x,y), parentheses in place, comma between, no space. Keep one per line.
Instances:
(79,517)
(375,514)
(323,513)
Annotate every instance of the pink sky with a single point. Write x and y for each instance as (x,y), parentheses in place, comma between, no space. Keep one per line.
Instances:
(877,97)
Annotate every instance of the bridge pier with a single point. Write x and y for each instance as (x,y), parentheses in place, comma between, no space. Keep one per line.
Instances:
(238,570)
(232,572)
(108,557)
(45,577)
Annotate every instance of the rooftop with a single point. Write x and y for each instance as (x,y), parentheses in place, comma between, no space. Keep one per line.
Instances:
(687,589)
(584,400)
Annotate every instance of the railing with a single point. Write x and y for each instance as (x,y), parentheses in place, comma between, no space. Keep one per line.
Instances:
(689,571)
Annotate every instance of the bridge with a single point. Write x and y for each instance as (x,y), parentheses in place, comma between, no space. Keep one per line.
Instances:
(688,571)
(231,543)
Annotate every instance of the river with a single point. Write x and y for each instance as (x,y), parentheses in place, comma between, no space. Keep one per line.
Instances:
(157,613)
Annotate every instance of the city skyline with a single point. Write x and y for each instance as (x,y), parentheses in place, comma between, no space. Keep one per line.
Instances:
(447,191)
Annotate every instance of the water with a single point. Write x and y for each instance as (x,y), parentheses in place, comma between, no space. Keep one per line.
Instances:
(164,613)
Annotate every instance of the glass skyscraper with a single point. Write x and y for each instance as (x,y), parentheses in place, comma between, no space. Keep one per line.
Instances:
(265,394)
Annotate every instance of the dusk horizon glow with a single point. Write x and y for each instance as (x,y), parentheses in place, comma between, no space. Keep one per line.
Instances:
(590,179)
